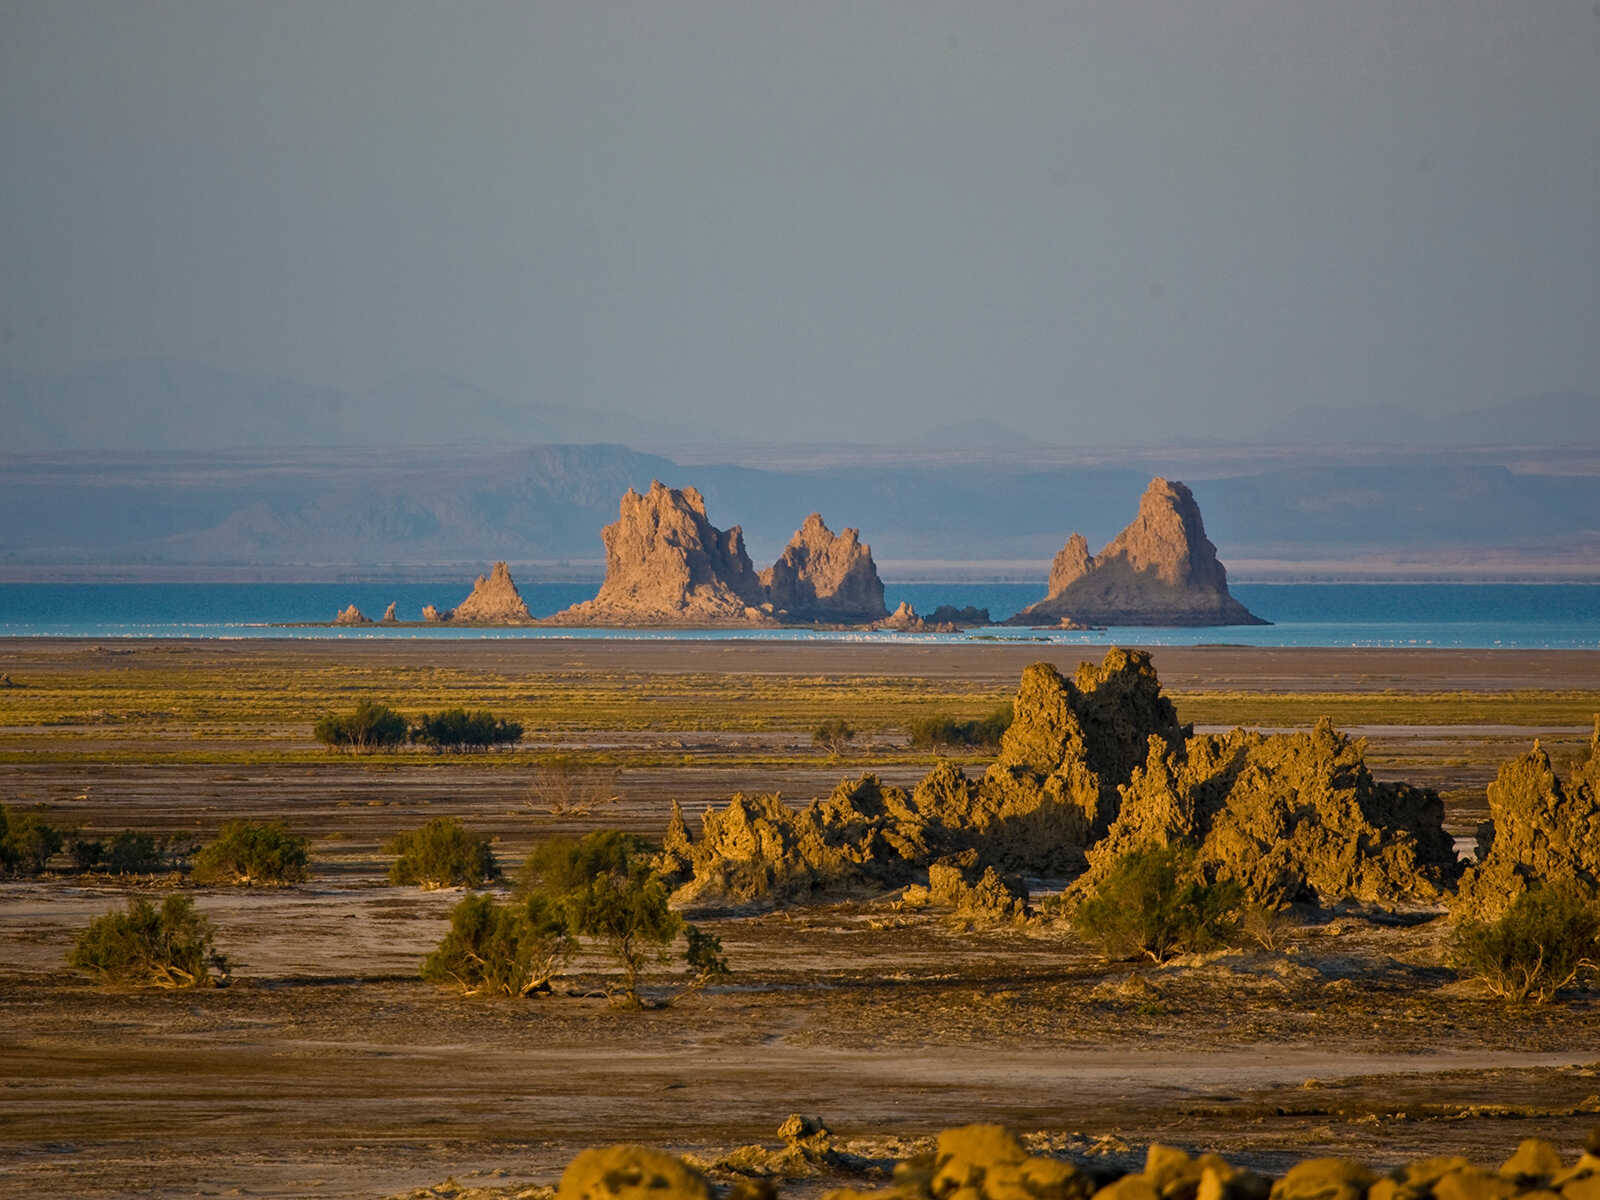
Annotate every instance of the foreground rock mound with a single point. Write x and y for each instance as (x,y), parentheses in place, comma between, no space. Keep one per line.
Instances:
(825,576)
(1160,570)
(494,600)
(1290,816)
(1540,832)
(1051,792)
(667,564)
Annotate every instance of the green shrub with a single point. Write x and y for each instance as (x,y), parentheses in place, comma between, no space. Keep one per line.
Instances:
(146,946)
(510,949)
(443,853)
(27,842)
(1155,903)
(252,853)
(940,731)
(834,735)
(371,726)
(1547,940)
(605,886)
(457,730)
(130,853)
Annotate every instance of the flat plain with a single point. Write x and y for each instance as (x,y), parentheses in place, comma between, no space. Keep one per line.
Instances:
(328,1068)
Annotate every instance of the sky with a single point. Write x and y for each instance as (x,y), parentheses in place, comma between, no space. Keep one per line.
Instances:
(1089,221)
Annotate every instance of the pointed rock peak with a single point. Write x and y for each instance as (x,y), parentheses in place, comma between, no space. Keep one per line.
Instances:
(494,599)
(389,617)
(352,616)
(1072,562)
(825,576)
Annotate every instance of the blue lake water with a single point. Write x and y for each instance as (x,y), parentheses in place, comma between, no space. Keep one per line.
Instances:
(1513,616)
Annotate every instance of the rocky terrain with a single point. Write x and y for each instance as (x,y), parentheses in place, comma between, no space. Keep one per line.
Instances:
(825,576)
(1160,570)
(666,564)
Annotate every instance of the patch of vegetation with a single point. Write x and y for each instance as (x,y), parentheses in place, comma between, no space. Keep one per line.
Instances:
(130,853)
(372,726)
(27,842)
(605,887)
(565,787)
(833,735)
(512,949)
(146,946)
(1547,940)
(941,731)
(443,853)
(252,853)
(1155,903)
(457,730)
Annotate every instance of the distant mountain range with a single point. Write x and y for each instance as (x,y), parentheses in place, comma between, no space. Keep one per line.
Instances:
(547,503)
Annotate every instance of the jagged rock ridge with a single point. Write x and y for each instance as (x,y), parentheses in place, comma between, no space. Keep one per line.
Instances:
(667,564)
(825,576)
(1160,570)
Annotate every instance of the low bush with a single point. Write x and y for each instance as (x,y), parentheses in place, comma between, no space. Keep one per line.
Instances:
(1154,903)
(605,886)
(146,946)
(940,731)
(834,735)
(371,726)
(130,853)
(443,853)
(1547,940)
(252,853)
(457,730)
(512,949)
(564,787)
(27,842)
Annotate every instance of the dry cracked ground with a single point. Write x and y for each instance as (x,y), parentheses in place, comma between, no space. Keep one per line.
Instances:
(329,1069)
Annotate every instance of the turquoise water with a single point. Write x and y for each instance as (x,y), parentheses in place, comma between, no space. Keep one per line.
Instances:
(1513,616)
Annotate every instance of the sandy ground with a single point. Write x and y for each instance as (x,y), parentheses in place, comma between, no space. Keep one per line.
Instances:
(329,1069)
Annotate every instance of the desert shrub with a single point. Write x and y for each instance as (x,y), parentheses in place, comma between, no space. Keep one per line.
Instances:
(834,735)
(1547,940)
(940,731)
(27,842)
(458,730)
(252,853)
(605,886)
(371,726)
(443,853)
(86,855)
(146,946)
(1155,903)
(564,787)
(128,853)
(510,949)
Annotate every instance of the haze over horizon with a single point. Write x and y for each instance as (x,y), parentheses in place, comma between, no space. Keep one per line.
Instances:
(1090,223)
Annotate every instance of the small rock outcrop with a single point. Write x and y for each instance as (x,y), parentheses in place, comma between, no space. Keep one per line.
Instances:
(1160,570)
(975,897)
(825,576)
(961,618)
(1540,832)
(389,617)
(903,619)
(1289,816)
(351,616)
(667,564)
(631,1173)
(494,600)
(433,616)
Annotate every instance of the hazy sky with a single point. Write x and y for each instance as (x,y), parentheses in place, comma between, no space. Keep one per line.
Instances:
(842,218)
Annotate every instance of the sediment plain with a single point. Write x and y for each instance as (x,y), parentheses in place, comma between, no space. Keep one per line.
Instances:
(328,1068)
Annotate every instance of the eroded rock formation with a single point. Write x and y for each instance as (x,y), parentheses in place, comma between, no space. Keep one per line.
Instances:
(1051,792)
(825,576)
(432,615)
(351,616)
(494,600)
(389,617)
(1160,570)
(667,564)
(1540,832)
(1290,816)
